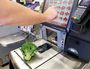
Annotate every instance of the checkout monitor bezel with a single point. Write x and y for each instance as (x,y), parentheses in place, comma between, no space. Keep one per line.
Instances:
(81,3)
(55,25)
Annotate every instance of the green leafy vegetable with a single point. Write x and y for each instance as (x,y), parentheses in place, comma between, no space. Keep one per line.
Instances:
(28,49)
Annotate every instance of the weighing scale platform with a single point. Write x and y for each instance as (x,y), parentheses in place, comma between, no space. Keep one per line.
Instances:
(50,59)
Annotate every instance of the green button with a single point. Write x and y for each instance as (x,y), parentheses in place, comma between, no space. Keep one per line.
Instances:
(77,18)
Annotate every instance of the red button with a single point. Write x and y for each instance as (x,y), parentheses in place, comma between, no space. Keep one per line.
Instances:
(69,2)
(68,7)
(65,19)
(66,13)
(64,24)
(63,7)
(62,13)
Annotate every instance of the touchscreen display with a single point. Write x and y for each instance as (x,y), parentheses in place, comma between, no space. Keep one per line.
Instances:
(63,8)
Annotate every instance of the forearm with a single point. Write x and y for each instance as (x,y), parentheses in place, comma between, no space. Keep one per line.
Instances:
(17,14)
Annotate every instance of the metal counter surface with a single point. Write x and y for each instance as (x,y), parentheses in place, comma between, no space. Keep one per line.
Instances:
(9,43)
(50,59)
(60,62)
(17,57)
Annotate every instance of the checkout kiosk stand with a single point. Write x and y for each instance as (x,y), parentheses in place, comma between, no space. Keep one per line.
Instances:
(78,39)
(51,54)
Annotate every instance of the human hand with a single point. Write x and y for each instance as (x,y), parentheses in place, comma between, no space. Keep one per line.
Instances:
(50,13)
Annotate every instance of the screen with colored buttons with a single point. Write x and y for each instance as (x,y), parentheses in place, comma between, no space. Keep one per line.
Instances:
(63,8)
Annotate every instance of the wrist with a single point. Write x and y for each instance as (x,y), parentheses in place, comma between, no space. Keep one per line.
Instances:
(45,17)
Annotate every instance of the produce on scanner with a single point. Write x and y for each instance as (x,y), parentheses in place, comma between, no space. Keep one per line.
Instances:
(28,50)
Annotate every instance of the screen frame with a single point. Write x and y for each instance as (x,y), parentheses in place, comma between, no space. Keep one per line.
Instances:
(56,25)
(81,3)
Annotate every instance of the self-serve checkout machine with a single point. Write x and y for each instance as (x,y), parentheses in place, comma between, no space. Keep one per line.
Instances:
(53,36)
(78,39)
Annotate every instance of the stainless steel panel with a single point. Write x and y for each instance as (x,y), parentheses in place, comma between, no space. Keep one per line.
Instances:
(60,62)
